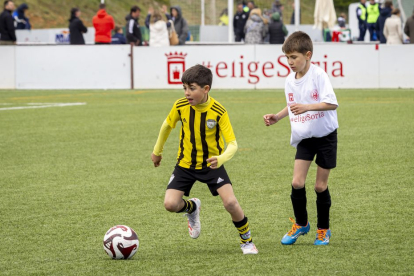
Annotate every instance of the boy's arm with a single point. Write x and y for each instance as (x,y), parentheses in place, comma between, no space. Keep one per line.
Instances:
(271,119)
(302,108)
(156,155)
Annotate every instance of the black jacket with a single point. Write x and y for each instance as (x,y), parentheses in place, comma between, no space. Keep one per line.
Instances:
(7,31)
(384,14)
(76,29)
(133,31)
(276,33)
(239,21)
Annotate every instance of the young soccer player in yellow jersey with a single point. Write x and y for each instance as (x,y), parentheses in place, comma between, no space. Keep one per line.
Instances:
(311,107)
(201,154)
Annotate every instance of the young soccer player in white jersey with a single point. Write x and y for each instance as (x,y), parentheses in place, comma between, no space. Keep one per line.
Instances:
(201,154)
(311,106)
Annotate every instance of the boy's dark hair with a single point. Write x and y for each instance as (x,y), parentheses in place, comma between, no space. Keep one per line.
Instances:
(198,74)
(102,6)
(134,9)
(298,42)
(117,29)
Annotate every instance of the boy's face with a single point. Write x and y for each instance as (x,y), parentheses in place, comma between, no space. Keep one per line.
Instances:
(196,94)
(298,61)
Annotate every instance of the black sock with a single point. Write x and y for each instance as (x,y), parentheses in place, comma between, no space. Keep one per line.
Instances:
(244,230)
(189,206)
(298,198)
(323,204)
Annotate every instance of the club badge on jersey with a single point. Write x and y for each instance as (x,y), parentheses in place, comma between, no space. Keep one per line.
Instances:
(211,123)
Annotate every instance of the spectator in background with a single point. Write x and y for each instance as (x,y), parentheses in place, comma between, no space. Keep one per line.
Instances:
(76,28)
(251,5)
(239,21)
(164,10)
(104,24)
(22,22)
(292,19)
(7,31)
(278,7)
(384,14)
(373,12)
(409,28)
(180,24)
(133,31)
(118,37)
(342,20)
(277,30)
(362,19)
(159,30)
(256,27)
(392,28)
(224,17)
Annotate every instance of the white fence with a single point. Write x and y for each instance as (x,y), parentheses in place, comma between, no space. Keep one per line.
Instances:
(233,66)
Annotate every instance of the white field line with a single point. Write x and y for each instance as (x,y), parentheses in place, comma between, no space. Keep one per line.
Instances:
(44,105)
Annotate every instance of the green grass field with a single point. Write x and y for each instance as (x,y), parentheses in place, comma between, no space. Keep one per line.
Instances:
(70,173)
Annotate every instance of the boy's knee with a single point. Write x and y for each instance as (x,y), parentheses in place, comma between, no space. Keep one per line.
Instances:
(231,204)
(297,184)
(320,187)
(171,205)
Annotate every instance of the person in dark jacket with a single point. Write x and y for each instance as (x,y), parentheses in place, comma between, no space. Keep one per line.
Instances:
(384,14)
(133,31)
(76,28)
(118,37)
(7,31)
(361,13)
(180,24)
(239,20)
(19,16)
(277,30)
(409,28)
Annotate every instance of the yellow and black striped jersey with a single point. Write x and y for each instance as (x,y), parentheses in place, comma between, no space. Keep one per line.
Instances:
(202,132)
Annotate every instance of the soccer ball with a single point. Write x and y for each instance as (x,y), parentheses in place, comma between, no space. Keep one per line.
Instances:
(121,242)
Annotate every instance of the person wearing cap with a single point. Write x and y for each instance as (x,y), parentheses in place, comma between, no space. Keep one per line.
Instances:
(277,30)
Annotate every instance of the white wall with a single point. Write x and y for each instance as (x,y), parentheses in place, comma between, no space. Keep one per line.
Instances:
(7,67)
(233,66)
(73,67)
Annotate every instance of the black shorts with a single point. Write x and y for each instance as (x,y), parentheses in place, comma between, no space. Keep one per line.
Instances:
(324,148)
(183,179)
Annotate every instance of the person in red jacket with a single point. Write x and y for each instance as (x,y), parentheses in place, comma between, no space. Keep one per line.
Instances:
(103,24)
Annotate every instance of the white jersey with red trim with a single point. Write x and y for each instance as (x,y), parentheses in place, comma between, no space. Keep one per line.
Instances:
(314,87)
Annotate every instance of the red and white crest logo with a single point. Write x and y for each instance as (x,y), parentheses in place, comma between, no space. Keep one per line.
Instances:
(315,95)
(290,97)
(175,66)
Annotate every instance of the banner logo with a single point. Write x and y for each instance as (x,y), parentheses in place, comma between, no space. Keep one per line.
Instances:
(175,67)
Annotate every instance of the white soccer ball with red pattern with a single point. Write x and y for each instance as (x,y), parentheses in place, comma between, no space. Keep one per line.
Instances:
(121,242)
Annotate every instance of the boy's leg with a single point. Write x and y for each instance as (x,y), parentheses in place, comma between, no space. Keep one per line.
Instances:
(298,195)
(323,205)
(239,220)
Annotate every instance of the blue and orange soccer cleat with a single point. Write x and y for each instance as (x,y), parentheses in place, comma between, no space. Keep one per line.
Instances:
(322,237)
(294,233)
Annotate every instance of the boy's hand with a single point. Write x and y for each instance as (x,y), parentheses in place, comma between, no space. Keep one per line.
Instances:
(156,160)
(299,108)
(270,119)
(213,162)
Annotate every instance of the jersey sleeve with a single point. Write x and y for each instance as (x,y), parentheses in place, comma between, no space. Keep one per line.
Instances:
(326,92)
(226,128)
(173,117)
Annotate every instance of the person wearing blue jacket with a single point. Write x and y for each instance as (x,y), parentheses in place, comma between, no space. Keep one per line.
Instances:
(384,14)
(118,37)
(22,22)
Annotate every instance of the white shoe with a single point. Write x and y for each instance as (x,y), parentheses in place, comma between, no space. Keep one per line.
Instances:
(249,248)
(194,225)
